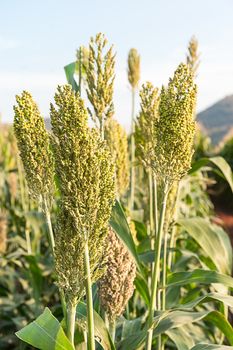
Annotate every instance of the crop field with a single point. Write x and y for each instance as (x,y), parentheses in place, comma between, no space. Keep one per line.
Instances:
(110,239)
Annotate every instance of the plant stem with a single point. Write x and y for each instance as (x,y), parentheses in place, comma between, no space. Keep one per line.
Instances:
(164,276)
(151,207)
(172,241)
(112,330)
(132,183)
(71,312)
(49,225)
(156,270)
(52,246)
(80,71)
(90,313)
(28,240)
(155,206)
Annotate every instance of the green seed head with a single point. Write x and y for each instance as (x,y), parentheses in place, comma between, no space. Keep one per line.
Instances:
(133,68)
(86,176)
(100,78)
(145,130)
(34,146)
(176,127)
(116,138)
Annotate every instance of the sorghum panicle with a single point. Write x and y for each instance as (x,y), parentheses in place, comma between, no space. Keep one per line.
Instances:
(34,146)
(100,78)
(192,58)
(145,133)
(116,286)
(116,138)
(175,129)
(86,176)
(133,68)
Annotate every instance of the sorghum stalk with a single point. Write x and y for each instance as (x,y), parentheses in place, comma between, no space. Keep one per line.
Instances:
(80,70)
(132,182)
(90,312)
(133,77)
(172,241)
(70,321)
(151,205)
(156,270)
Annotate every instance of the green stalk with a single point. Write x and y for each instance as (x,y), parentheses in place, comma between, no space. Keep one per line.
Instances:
(155,206)
(172,241)
(71,312)
(49,225)
(164,276)
(112,330)
(151,207)
(132,183)
(156,270)
(80,71)
(90,312)
(52,246)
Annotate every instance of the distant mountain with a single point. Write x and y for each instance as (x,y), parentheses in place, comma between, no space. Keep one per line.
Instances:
(217,120)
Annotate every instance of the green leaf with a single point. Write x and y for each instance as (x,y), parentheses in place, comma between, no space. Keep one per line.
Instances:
(120,225)
(35,276)
(45,333)
(70,72)
(213,240)
(173,319)
(180,338)
(101,333)
(199,276)
(204,346)
(220,163)
(226,299)
(142,288)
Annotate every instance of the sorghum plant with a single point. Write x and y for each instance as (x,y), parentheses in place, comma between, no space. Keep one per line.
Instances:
(34,147)
(87,184)
(175,131)
(145,136)
(133,78)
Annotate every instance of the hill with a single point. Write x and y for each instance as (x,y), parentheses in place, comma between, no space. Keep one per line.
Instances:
(217,120)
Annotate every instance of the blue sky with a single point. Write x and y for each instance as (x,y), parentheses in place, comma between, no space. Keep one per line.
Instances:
(37,38)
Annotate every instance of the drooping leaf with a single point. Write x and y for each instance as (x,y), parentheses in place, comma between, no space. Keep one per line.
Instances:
(45,333)
(213,240)
(180,338)
(101,333)
(226,299)
(198,276)
(174,319)
(120,225)
(220,163)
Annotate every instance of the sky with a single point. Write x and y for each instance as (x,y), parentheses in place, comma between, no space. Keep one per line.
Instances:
(38,38)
